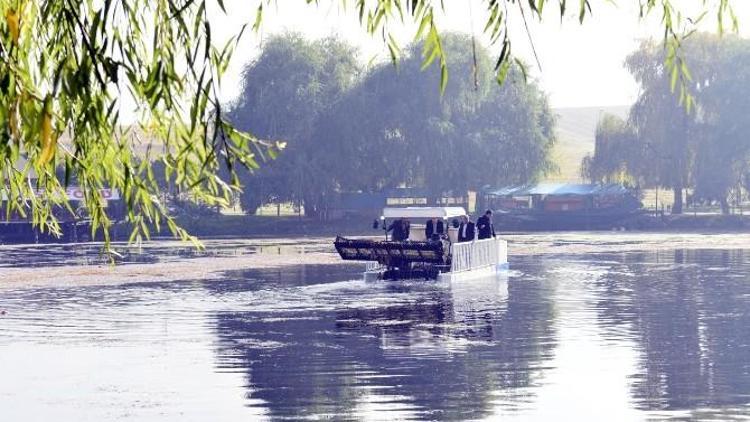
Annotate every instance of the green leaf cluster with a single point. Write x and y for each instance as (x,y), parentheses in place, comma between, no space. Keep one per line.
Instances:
(390,127)
(67,71)
(703,148)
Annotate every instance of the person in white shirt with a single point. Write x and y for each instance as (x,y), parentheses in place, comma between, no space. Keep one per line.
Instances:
(466,230)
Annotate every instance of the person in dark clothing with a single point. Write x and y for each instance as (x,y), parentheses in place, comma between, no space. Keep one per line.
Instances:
(485,227)
(466,230)
(405,227)
(434,228)
(397,227)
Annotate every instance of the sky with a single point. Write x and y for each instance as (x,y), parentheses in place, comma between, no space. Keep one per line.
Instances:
(579,65)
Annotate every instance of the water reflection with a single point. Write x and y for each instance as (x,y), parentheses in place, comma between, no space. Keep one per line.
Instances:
(629,336)
(688,310)
(437,351)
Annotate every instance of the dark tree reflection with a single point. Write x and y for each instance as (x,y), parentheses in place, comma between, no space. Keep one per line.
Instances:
(428,351)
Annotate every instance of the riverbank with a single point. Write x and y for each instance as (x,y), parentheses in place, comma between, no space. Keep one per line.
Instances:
(267,226)
(690,222)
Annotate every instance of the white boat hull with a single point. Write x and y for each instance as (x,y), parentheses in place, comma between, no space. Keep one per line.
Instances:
(473,274)
(478,259)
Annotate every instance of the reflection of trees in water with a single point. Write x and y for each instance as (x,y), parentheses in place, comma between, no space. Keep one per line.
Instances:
(430,355)
(689,310)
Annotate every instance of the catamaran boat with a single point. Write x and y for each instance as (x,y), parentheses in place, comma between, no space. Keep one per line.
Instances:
(442,259)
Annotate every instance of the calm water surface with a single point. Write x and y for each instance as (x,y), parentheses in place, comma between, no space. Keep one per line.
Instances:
(631,336)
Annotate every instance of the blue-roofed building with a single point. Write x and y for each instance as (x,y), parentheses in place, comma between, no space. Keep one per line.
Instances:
(563,205)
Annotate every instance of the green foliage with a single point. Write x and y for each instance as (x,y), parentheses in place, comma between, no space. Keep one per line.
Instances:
(617,157)
(65,67)
(391,128)
(722,143)
(285,92)
(664,126)
(664,144)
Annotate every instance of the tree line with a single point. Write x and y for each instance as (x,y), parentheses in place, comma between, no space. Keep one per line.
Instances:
(698,143)
(351,128)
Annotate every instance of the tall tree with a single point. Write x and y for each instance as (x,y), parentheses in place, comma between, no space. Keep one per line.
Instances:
(618,157)
(702,146)
(516,129)
(397,130)
(723,151)
(285,92)
(662,124)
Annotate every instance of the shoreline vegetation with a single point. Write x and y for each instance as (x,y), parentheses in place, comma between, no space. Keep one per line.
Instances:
(232,226)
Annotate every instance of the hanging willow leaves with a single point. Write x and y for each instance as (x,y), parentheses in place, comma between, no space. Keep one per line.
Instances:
(11,18)
(70,69)
(377,16)
(49,140)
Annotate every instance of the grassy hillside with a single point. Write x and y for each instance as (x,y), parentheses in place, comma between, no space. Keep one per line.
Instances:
(576,128)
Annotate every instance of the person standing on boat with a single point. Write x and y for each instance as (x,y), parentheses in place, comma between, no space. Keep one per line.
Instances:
(466,230)
(434,227)
(397,227)
(485,227)
(405,227)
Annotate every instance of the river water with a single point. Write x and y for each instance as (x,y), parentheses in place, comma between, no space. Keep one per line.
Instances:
(638,335)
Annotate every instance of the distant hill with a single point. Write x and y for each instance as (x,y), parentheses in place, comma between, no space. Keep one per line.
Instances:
(576,127)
